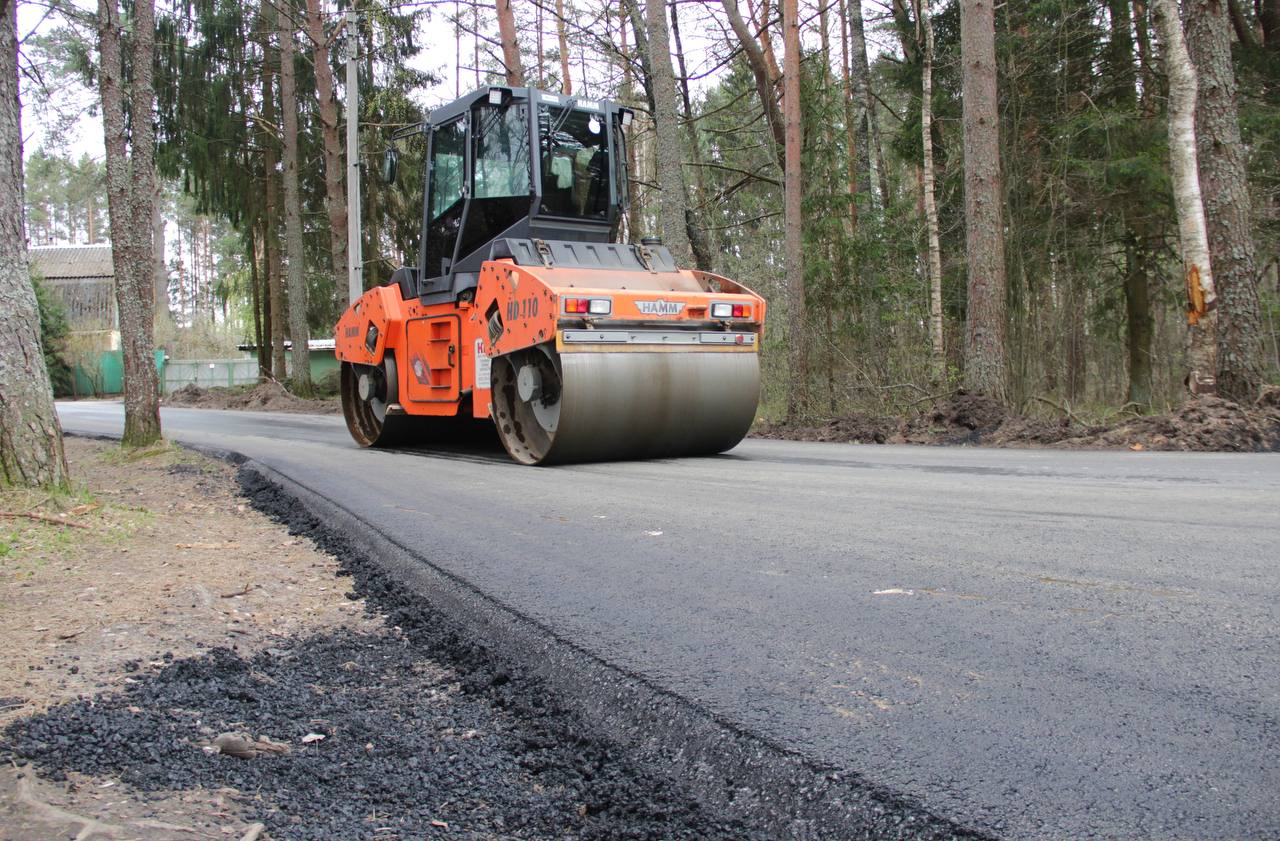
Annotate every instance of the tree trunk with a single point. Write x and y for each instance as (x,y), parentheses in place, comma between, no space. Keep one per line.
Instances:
(1224,182)
(510,47)
(984,352)
(271,229)
(254,293)
(760,70)
(703,256)
(871,148)
(793,213)
(672,204)
(939,357)
(1141,326)
(130,198)
(1193,237)
(160,283)
(299,331)
(566,83)
(30,437)
(856,149)
(335,190)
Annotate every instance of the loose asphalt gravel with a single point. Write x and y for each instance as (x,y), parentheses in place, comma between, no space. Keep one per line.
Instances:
(840,641)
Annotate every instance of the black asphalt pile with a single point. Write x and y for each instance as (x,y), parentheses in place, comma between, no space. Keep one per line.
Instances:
(407,747)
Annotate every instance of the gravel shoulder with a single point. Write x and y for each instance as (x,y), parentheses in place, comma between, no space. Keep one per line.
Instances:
(174,613)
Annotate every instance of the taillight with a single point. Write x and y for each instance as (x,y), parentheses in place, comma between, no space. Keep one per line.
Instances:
(588,306)
(730,311)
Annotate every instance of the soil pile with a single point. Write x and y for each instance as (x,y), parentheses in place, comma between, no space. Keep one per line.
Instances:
(263,397)
(1209,424)
(855,428)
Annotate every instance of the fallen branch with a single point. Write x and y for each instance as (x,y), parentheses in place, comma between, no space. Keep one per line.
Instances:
(44,518)
(1066,410)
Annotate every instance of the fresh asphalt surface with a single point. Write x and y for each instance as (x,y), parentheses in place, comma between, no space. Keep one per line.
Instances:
(1039,644)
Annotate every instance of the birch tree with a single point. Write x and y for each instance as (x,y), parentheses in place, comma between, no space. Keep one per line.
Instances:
(1225,187)
(130,153)
(1193,237)
(939,359)
(30,436)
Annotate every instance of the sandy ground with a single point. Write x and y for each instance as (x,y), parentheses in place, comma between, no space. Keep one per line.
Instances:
(169,562)
(264,397)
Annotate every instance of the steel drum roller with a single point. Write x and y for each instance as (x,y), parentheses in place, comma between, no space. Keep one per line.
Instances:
(586,406)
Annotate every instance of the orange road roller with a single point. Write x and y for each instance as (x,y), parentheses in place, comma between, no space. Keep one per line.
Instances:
(524,310)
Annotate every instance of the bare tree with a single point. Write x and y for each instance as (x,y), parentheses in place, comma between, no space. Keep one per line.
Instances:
(130,149)
(30,437)
(984,351)
(924,19)
(759,65)
(672,203)
(510,46)
(335,190)
(1193,237)
(793,211)
(1224,182)
(566,82)
(297,279)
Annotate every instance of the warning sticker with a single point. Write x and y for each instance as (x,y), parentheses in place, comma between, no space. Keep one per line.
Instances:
(482,365)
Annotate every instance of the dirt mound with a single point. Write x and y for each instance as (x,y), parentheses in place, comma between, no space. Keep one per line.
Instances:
(959,418)
(856,428)
(1208,424)
(263,397)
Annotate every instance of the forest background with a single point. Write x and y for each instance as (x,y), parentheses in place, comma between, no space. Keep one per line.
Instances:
(1079,278)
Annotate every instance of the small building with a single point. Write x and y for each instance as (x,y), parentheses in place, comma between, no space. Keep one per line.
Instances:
(82,278)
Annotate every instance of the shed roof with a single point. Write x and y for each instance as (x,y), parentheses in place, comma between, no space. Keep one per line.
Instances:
(72,261)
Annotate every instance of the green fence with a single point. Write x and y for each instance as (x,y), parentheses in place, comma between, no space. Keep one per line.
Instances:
(102,374)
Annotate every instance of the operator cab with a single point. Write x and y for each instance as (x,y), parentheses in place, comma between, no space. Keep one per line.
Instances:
(510,170)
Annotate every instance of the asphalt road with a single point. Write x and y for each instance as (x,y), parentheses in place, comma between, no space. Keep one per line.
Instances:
(1041,644)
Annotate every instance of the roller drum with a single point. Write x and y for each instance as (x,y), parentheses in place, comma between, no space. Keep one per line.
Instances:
(586,406)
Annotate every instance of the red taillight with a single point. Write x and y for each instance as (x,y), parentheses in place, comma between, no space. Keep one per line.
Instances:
(575,305)
(741,311)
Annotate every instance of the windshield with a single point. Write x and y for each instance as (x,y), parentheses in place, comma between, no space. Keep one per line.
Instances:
(575,163)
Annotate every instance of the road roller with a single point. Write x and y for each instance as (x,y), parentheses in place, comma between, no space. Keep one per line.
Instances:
(524,310)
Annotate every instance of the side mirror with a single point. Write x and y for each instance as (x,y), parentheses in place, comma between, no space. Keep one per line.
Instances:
(389,162)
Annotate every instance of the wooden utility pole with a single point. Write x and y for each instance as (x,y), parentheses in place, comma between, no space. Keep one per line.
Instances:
(299,331)
(793,211)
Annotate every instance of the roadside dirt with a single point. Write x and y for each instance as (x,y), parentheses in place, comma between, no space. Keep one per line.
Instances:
(165,561)
(1208,424)
(264,397)
(180,618)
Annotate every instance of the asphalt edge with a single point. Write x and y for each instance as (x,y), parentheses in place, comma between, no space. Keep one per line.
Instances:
(777,791)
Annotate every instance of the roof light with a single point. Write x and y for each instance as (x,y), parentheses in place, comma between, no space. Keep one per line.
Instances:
(498,96)
(627,116)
